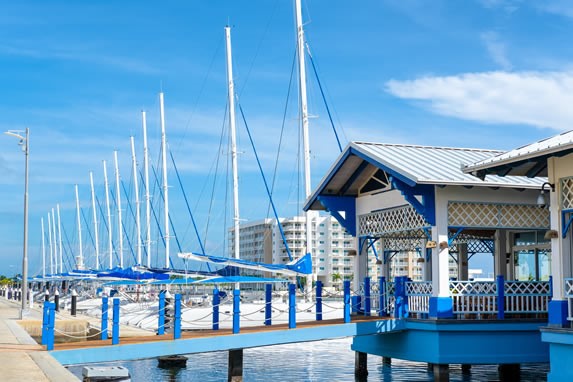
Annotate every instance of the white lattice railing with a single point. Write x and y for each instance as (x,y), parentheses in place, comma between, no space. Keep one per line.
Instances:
(527,296)
(419,293)
(474,297)
(390,298)
(569,296)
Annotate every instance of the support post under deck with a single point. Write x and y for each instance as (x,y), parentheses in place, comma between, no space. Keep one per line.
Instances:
(235,369)
(360,366)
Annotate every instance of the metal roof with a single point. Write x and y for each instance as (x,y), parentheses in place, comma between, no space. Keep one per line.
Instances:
(529,160)
(365,167)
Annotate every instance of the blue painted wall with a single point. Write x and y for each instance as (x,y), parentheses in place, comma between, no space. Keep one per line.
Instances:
(561,353)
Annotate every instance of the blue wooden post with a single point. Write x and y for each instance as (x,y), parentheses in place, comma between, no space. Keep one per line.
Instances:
(51,325)
(367,302)
(500,284)
(268,303)
(382,296)
(346,301)
(550,288)
(45,319)
(401,304)
(318,300)
(216,303)
(236,311)
(291,306)
(115,322)
(161,318)
(104,317)
(177,318)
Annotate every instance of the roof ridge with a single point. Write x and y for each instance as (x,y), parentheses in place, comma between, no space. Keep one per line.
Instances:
(428,147)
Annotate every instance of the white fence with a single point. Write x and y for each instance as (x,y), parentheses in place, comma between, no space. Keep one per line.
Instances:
(569,296)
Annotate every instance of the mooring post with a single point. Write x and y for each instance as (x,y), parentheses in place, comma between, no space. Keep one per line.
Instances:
(216,303)
(360,366)
(51,324)
(367,302)
(104,317)
(236,311)
(45,318)
(74,302)
(115,322)
(177,318)
(268,303)
(235,366)
(500,285)
(57,300)
(47,295)
(382,296)
(346,301)
(318,300)
(161,318)
(441,372)
(168,323)
(291,306)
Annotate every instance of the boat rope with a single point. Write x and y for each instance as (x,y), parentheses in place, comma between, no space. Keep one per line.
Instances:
(265,182)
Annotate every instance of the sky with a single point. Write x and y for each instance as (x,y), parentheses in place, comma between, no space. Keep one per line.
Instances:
(478,73)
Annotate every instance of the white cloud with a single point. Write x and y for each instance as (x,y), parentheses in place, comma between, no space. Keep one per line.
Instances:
(541,99)
(496,49)
(558,7)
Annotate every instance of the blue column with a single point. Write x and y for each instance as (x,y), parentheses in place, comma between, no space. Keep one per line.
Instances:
(346,301)
(51,325)
(291,306)
(382,296)
(115,322)
(236,311)
(500,284)
(367,303)
(177,318)
(268,303)
(550,287)
(216,302)
(161,319)
(45,319)
(318,300)
(401,304)
(104,317)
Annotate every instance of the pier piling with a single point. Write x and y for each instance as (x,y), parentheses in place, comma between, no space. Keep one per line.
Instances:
(509,372)
(235,369)
(441,372)
(361,366)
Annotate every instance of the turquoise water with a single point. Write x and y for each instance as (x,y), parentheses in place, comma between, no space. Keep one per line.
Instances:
(312,361)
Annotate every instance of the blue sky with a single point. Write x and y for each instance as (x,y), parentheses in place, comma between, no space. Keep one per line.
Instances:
(482,73)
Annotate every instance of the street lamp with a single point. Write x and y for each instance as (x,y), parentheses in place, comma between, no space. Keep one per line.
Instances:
(25,145)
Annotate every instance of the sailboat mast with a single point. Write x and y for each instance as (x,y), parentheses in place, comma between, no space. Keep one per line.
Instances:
(136,191)
(109,231)
(96,238)
(60,238)
(80,262)
(55,241)
(50,244)
(147,197)
(305,135)
(233,142)
(118,201)
(165,189)
(43,250)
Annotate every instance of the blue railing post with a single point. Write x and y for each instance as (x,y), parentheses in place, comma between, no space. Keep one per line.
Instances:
(401,304)
(346,301)
(51,325)
(236,311)
(177,318)
(367,303)
(45,319)
(500,285)
(318,300)
(291,306)
(382,296)
(216,303)
(104,317)
(550,288)
(161,319)
(115,322)
(268,303)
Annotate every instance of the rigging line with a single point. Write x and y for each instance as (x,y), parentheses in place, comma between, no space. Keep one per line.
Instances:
(113,198)
(186,201)
(88,228)
(144,246)
(324,98)
(216,171)
(123,225)
(104,221)
(70,264)
(265,181)
(282,128)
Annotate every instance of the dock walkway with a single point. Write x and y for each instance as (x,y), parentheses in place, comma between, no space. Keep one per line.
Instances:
(21,357)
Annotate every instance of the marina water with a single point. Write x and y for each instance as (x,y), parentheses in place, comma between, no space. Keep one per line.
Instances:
(312,361)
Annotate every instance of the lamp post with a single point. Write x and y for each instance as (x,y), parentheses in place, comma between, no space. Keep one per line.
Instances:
(25,144)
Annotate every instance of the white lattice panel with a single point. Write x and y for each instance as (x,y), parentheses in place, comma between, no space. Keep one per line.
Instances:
(526,288)
(399,219)
(398,243)
(418,288)
(473,287)
(569,287)
(485,215)
(567,193)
